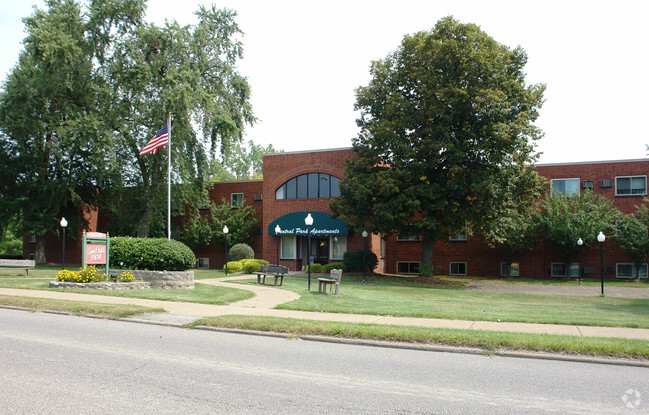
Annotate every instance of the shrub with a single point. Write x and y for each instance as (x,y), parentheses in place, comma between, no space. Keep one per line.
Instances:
(154,254)
(353,260)
(253,265)
(234,266)
(240,251)
(317,268)
(87,274)
(336,265)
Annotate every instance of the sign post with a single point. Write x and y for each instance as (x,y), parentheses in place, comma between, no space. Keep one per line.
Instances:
(95,249)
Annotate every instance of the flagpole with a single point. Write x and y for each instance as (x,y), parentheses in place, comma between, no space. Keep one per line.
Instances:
(169,182)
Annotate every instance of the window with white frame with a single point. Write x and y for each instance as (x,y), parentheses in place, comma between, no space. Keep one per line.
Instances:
(203,263)
(509,269)
(565,186)
(338,247)
(558,269)
(288,245)
(382,247)
(408,268)
(458,268)
(631,185)
(237,199)
(408,237)
(32,238)
(458,237)
(628,271)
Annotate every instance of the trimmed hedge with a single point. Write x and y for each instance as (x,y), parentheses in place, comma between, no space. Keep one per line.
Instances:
(335,265)
(240,251)
(252,265)
(234,266)
(317,268)
(152,254)
(353,260)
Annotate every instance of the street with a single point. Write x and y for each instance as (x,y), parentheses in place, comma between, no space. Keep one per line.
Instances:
(58,364)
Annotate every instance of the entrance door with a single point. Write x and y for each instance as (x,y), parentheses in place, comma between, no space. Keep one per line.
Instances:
(320,250)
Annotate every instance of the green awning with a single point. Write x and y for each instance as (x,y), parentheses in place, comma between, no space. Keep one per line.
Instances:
(323,224)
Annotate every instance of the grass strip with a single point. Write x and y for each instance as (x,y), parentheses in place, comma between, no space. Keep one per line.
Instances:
(486,340)
(78,307)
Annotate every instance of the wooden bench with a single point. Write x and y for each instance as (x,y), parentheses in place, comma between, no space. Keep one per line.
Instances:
(25,264)
(335,276)
(276,271)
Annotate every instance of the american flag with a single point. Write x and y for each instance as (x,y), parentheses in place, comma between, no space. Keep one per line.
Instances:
(159,140)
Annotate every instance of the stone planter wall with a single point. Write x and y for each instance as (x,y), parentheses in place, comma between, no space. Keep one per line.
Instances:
(162,279)
(105,285)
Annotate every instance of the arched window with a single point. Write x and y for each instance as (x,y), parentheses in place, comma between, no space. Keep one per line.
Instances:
(309,186)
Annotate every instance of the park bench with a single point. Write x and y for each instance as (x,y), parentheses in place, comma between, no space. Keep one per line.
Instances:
(334,280)
(276,271)
(25,264)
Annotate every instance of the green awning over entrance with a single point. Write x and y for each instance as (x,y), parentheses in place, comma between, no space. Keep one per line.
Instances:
(323,224)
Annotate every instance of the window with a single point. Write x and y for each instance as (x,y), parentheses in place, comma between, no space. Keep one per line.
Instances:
(628,271)
(458,268)
(237,199)
(203,263)
(382,253)
(509,269)
(288,245)
(408,268)
(458,237)
(32,256)
(559,270)
(408,238)
(631,185)
(32,238)
(309,186)
(565,186)
(338,247)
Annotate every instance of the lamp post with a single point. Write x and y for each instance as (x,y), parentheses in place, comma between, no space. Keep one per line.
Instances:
(601,238)
(278,231)
(225,233)
(580,243)
(364,250)
(308,221)
(64,224)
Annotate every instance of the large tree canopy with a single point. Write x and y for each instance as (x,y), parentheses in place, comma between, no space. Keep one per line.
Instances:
(446,133)
(91,87)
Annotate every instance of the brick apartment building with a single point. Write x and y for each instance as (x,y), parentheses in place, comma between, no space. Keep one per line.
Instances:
(300,183)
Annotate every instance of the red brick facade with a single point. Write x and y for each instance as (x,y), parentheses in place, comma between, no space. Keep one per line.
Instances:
(471,255)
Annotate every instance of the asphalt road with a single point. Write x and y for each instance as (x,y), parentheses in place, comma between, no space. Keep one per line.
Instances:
(56,364)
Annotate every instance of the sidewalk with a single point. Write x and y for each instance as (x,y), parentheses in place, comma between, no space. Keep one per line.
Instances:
(267,297)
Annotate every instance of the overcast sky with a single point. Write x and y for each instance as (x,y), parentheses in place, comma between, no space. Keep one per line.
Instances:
(304,59)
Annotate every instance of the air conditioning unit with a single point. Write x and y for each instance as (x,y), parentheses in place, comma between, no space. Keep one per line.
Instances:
(588,184)
(607,183)
(258,197)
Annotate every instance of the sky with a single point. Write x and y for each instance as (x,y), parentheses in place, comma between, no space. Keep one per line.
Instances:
(304,60)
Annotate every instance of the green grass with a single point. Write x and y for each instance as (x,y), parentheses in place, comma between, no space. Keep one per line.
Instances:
(78,307)
(424,300)
(486,340)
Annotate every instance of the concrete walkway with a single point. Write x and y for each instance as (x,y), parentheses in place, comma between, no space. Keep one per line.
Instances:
(267,297)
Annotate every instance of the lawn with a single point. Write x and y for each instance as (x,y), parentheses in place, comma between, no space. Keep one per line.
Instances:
(448,301)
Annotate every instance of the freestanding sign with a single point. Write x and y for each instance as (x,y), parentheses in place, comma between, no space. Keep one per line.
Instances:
(95,249)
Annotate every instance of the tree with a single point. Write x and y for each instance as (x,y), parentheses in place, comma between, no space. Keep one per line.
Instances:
(54,141)
(632,235)
(563,219)
(241,162)
(199,231)
(446,133)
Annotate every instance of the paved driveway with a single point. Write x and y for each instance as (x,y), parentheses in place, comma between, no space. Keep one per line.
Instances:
(628,292)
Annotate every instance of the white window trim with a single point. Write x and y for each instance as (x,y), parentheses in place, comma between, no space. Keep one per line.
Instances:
(617,272)
(509,264)
(206,263)
(408,238)
(32,238)
(631,194)
(281,247)
(232,195)
(566,178)
(450,268)
(568,270)
(408,262)
(461,237)
(331,248)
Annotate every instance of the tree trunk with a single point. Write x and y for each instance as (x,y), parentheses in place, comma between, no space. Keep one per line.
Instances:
(39,255)
(426,268)
(143,229)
